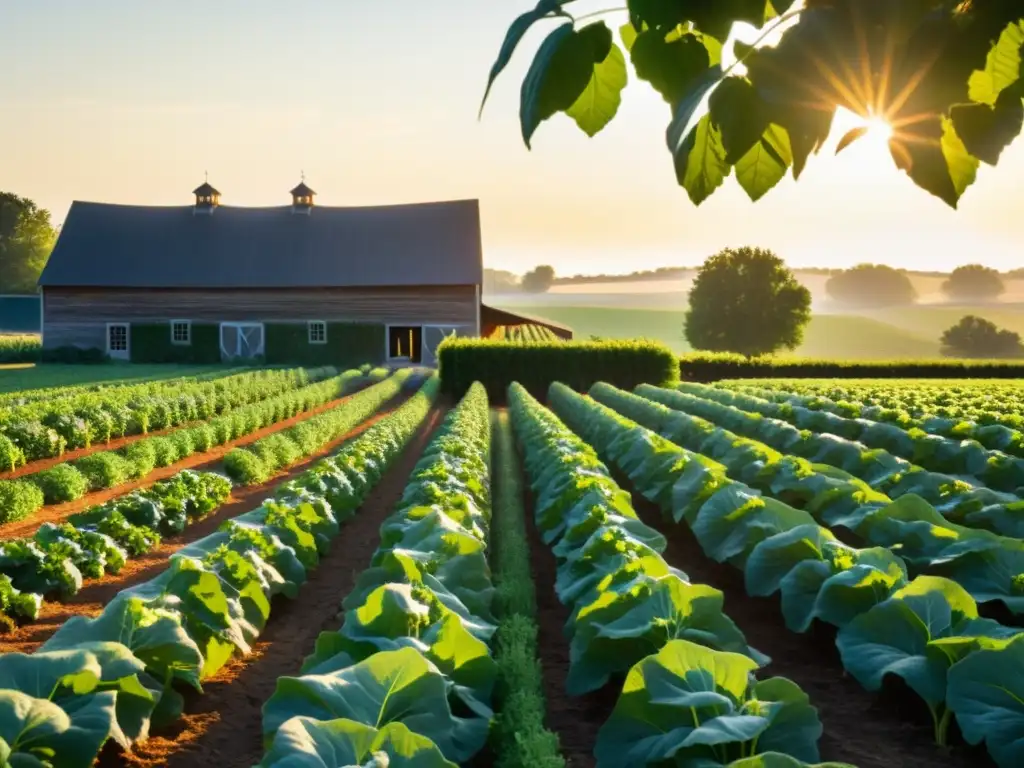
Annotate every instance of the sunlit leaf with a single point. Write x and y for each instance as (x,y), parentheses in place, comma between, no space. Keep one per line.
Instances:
(700,162)
(766,163)
(851,136)
(1003,67)
(600,100)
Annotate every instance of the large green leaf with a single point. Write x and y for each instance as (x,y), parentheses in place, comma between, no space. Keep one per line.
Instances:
(917,634)
(601,97)
(765,164)
(560,72)
(303,742)
(37,733)
(1002,68)
(616,631)
(986,693)
(391,686)
(689,704)
(670,65)
(154,635)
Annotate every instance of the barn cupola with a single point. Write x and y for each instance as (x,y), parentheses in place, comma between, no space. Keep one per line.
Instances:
(302,197)
(207,198)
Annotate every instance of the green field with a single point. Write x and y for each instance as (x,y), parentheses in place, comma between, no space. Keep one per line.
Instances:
(850,336)
(18,376)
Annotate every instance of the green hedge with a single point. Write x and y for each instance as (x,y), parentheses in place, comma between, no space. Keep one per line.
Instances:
(579,364)
(347,344)
(151,343)
(708,367)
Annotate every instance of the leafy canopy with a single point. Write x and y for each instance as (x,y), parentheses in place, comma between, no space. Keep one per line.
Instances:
(871,285)
(944,74)
(977,337)
(746,301)
(973,281)
(539,279)
(26,239)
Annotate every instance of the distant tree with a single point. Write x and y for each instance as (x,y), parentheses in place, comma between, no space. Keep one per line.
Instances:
(974,281)
(977,337)
(539,280)
(871,285)
(26,239)
(746,301)
(500,281)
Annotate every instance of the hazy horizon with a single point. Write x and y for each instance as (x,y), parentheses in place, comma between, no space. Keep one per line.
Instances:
(122,102)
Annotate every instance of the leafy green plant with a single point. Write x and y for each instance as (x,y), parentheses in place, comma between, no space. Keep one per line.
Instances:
(18,500)
(104,470)
(687,703)
(11,456)
(61,483)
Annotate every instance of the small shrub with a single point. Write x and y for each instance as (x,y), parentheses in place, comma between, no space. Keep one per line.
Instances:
(165,451)
(18,499)
(245,468)
(142,457)
(104,469)
(61,483)
(11,456)
(36,440)
(203,437)
(183,442)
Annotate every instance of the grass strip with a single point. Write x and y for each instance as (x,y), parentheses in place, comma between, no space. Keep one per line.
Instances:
(519,737)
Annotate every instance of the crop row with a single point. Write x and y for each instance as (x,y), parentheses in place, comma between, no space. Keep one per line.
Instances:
(100,540)
(416,626)
(970,458)
(523,333)
(926,631)
(690,696)
(986,564)
(984,430)
(46,428)
(955,499)
(115,676)
(71,480)
(986,401)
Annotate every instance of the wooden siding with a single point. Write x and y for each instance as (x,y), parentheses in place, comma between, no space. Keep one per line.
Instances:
(78,316)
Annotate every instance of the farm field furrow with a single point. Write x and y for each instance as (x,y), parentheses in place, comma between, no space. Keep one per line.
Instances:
(114,676)
(889,626)
(158,458)
(95,593)
(966,458)
(222,727)
(690,692)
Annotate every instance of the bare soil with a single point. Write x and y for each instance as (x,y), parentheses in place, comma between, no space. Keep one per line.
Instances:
(204,460)
(575,719)
(869,730)
(223,726)
(95,594)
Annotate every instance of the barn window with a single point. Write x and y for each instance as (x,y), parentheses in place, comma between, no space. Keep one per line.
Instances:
(317,332)
(181,332)
(117,340)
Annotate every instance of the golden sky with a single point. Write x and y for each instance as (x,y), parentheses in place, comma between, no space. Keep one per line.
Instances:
(130,102)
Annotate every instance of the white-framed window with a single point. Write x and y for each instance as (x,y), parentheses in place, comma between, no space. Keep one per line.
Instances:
(181,332)
(317,332)
(118,340)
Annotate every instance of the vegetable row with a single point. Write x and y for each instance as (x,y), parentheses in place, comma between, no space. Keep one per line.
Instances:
(926,631)
(989,566)
(99,541)
(970,458)
(986,431)
(108,469)
(416,626)
(47,427)
(117,676)
(690,695)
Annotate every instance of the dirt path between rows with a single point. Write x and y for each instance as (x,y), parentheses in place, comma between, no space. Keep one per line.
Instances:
(199,461)
(575,719)
(223,727)
(865,729)
(95,594)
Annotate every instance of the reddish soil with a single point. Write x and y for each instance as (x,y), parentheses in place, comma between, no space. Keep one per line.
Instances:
(204,460)
(869,730)
(575,719)
(223,727)
(96,593)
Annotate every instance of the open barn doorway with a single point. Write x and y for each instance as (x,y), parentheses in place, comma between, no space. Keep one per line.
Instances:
(405,343)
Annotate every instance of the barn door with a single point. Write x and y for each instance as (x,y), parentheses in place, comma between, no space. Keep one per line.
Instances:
(433,335)
(241,340)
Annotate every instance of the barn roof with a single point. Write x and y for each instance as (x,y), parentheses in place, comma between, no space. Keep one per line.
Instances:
(125,246)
